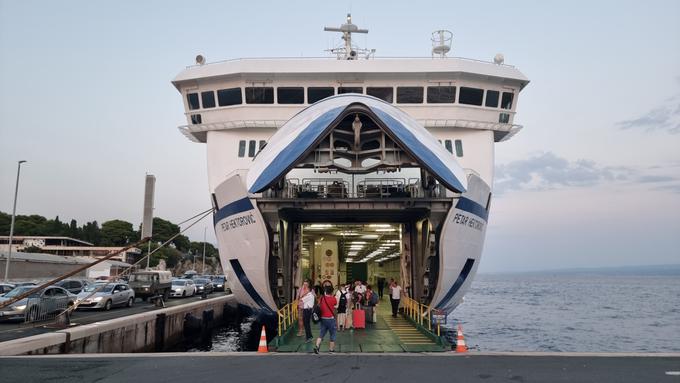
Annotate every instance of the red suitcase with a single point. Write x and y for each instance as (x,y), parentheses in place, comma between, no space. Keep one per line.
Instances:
(359,318)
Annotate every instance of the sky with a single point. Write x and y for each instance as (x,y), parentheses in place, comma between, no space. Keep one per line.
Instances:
(592,180)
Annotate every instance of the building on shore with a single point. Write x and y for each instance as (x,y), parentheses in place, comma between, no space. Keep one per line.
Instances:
(66,246)
(40,266)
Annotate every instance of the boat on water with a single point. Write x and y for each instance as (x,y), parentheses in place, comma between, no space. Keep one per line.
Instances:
(351,167)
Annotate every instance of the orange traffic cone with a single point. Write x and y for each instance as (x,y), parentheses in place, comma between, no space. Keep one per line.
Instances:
(460,341)
(263,341)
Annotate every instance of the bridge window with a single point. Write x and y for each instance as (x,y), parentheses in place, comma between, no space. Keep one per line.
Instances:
(459,148)
(290,95)
(441,94)
(506,102)
(350,89)
(410,95)
(208,99)
(252,146)
(196,119)
(262,144)
(449,147)
(504,118)
(315,94)
(259,95)
(242,148)
(383,93)
(470,96)
(192,100)
(492,98)
(231,96)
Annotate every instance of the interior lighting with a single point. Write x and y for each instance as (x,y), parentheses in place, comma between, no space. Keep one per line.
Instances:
(386,230)
(370,236)
(319,226)
(379,225)
(358,242)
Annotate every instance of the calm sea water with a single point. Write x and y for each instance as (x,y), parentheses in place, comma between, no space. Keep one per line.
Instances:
(545,312)
(572,312)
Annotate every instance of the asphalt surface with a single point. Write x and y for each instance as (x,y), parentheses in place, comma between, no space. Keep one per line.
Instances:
(14,330)
(281,368)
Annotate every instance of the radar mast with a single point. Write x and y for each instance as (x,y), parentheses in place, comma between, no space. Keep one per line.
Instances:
(349,52)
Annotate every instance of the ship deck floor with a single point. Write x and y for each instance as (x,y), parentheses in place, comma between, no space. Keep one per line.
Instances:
(388,334)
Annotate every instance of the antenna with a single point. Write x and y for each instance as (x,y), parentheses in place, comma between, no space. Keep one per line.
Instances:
(441,42)
(349,52)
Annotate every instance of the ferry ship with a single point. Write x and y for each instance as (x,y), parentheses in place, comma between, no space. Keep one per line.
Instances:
(351,167)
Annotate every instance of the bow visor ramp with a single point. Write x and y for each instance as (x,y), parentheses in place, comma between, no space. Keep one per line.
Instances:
(300,135)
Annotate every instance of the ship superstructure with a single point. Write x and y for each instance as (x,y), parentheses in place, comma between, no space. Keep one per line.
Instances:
(351,167)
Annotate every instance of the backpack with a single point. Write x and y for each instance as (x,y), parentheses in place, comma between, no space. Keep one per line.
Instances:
(342,303)
(374,299)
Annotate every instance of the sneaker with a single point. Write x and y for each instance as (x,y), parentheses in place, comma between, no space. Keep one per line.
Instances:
(331,351)
(308,340)
(316,350)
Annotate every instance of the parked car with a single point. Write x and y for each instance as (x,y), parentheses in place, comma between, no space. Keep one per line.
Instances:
(5,288)
(183,288)
(105,295)
(204,284)
(49,301)
(150,283)
(74,286)
(25,284)
(220,282)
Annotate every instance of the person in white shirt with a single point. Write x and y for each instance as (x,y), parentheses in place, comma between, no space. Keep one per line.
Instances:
(359,288)
(307,308)
(395,297)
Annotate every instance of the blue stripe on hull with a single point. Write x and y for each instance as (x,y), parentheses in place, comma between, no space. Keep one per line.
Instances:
(245,282)
(235,207)
(473,207)
(459,282)
(295,149)
(420,150)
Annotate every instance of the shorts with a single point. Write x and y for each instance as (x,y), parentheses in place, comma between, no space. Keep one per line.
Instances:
(327,325)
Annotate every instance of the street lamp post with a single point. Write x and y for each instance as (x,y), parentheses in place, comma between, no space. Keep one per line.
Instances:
(11,227)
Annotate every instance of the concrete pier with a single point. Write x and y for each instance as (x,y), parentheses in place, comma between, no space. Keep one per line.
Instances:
(155,330)
(289,367)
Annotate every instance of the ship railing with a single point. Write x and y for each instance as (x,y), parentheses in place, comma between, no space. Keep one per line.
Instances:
(338,188)
(287,317)
(423,315)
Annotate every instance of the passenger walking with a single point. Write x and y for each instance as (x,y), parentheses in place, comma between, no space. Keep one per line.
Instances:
(350,305)
(395,295)
(371,301)
(301,292)
(341,297)
(381,287)
(308,306)
(327,303)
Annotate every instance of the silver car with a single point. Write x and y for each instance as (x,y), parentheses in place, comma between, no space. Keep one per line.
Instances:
(104,296)
(183,288)
(38,306)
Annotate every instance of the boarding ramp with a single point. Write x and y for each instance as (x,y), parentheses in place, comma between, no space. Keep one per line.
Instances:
(413,330)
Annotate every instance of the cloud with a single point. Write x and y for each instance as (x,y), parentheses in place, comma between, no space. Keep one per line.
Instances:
(544,171)
(665,117)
